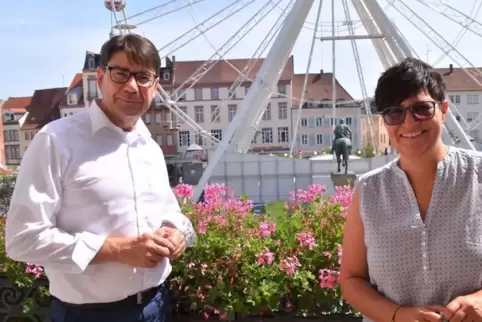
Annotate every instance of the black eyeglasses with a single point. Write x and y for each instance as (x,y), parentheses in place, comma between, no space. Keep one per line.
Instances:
(421,111)
(121,76)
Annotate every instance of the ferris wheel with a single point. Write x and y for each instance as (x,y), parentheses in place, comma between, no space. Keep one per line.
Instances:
(442,25)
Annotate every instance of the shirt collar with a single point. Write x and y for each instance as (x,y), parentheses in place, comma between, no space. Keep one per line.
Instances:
(100,120)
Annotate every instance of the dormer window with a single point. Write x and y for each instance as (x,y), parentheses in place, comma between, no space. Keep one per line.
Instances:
(91,63)
(166,76)
(72,99)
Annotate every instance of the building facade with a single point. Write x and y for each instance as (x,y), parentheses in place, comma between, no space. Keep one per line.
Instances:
(73,100)
(318,116)
(44,108)
(466,94)
(13,114)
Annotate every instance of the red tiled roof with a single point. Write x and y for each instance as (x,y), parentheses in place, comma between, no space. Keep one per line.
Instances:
(16,104)
(318,88)
(222,72)
(44,108)
(76,81)
(459,81)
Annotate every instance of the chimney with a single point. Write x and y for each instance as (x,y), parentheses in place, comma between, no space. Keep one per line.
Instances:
(451,69)
(321,72)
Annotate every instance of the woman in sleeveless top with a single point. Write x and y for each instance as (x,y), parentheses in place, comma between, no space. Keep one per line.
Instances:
(412,248)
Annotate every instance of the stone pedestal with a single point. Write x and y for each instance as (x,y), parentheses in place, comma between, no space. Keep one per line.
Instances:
(342,179)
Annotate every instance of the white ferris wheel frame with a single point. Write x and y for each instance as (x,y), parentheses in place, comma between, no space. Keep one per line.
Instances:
(389,43)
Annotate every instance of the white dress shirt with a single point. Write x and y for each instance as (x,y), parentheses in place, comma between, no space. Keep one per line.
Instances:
(81,180)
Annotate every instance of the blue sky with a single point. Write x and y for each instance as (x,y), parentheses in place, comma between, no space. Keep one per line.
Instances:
(44,42)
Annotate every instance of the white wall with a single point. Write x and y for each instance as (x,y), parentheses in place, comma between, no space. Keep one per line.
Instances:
(269,178)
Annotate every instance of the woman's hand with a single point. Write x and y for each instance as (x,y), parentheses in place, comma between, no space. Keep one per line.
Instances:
(464,308)
(424,313)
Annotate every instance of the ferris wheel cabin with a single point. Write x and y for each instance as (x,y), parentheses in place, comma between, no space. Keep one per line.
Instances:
(115,5)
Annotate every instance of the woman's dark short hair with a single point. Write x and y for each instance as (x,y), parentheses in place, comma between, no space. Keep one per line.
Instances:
(407,79)
(138,49)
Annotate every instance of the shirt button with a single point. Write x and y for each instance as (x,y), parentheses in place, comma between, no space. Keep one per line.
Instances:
(424,255)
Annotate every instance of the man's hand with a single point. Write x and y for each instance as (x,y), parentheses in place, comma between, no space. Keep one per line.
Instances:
(464,308)
(176,238)
(145,251)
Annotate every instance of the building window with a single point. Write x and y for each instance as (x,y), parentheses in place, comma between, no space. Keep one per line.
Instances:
(472,99)
(198,94)
(282,89)
(232,94)
(267,113)
(27,136)
(232,112)
(348,120)
(304,122)
(319,122)
(159,139)
(6,136)
(91,63)
(198,139)
(72,99)
(169,140)
(472,116)
(7,153)
(283,111)
(184,138)
(92,88)
(147,118)
(283,134)
(158,117)
(304,139)
(181,95)
(214,93)
(267,135)
(17,152)
(15,135)
(319,139)
(199,114)
(166,76)
(32,134)
(455,99)
(215,117)
(218,134)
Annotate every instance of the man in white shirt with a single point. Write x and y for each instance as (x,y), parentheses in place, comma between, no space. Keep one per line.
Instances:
(92,203)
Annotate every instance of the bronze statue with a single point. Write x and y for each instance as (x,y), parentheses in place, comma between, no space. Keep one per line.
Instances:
(342,144)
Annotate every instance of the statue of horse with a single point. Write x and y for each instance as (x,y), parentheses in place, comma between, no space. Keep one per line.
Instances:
(342,148)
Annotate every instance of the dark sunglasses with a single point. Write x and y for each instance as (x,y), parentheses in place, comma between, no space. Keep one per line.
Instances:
(421,111)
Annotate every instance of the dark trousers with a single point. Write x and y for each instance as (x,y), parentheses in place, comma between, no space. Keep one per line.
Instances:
(157,309)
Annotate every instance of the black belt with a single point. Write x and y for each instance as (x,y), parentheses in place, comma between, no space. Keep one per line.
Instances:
(133,300)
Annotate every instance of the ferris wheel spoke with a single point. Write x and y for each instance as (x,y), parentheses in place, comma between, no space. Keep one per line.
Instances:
(437,39)
(221,16)
(460,18)
(365,104)
(474,12)
(305,82)
(239,35)
(167,13)
(153,9)
(243,74)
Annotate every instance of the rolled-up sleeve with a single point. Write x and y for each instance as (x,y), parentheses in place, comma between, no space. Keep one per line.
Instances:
(31,234)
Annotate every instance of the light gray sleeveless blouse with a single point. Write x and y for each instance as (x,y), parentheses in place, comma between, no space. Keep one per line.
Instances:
(416,263)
